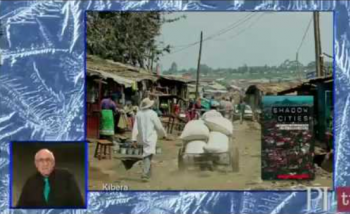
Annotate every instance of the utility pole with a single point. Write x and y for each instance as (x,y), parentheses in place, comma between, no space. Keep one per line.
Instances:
(298,68)
(318,51)
(152,59)
(198,66)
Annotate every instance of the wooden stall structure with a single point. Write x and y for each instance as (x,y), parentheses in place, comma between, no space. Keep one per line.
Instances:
(123,82)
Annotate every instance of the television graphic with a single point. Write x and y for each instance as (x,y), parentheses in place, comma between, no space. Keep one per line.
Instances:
(44,96)
(287,138)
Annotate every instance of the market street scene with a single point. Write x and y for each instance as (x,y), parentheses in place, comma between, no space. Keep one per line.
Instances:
(195,101)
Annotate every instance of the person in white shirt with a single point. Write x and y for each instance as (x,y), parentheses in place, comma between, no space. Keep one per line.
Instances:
(213,112)
(228,108)
(145,131)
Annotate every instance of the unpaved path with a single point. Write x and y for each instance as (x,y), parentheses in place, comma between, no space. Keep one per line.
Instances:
(166,175)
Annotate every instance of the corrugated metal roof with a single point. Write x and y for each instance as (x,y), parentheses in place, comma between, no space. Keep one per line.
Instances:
(137,76)
(235,87)
(216,86)
(295,88)
(109,65)
(179,79)
(192,88)
(271,88)
(321,79)
(121,80)
(308,83)
(121,73)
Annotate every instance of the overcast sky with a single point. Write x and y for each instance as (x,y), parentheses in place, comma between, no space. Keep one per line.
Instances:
(250,38)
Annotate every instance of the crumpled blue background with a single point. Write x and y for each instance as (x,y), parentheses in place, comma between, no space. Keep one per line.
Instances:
(42,98)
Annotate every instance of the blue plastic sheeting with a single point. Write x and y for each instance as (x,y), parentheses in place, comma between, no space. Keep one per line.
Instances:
(42,98)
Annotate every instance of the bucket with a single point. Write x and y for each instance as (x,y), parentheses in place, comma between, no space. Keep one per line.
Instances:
(123,151)
(130,151)
(116,149)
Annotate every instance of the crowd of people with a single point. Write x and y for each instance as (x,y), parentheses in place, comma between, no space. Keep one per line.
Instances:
(226,107)
(144,120)
(116,117)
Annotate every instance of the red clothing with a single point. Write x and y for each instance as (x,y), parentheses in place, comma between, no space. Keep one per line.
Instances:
(176,109)
(191,114)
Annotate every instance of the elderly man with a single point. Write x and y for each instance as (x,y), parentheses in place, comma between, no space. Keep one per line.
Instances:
(146,127)
(50,187)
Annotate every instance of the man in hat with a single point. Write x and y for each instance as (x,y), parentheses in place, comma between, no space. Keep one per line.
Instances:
(50,186)
(145,131)
(213,111)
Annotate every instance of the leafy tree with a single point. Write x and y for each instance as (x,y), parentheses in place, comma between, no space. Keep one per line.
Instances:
(127,37)
(204,69)
(173,67)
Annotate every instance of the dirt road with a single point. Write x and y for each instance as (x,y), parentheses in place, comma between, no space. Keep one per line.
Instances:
(166,175)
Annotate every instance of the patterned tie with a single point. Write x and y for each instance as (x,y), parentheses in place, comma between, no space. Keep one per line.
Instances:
(46,189)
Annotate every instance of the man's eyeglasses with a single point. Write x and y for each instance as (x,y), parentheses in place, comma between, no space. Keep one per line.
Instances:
(44,160)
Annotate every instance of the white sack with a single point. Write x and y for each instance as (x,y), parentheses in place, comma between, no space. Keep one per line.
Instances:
(195,147)
(220,124)
(195,130)
(217,143)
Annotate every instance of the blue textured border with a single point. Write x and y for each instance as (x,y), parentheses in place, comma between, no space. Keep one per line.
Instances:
(334,95)
(44,58)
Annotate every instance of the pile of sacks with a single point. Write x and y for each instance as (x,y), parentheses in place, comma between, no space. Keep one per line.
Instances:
(207,136)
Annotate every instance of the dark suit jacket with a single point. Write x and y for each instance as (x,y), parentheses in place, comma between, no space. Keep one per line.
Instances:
(64,191)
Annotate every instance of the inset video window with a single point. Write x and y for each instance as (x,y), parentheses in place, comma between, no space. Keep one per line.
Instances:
(48,175)
(209,100)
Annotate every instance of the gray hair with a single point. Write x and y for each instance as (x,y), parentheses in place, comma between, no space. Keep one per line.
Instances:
(45,150)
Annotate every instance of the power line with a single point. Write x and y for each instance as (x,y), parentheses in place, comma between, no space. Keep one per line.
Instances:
(233,26)
(229,27)
(225,30)
(305,33)
(249,26)
(242,30)
(219,33)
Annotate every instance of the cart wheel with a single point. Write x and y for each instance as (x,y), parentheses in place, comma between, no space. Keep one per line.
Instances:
(234,158)
(180,160)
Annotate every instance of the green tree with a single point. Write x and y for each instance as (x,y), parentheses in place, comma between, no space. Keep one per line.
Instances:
(173,67)
(126,37)
(204,69)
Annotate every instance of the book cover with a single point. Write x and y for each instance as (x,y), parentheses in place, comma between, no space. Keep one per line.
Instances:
(287,138)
